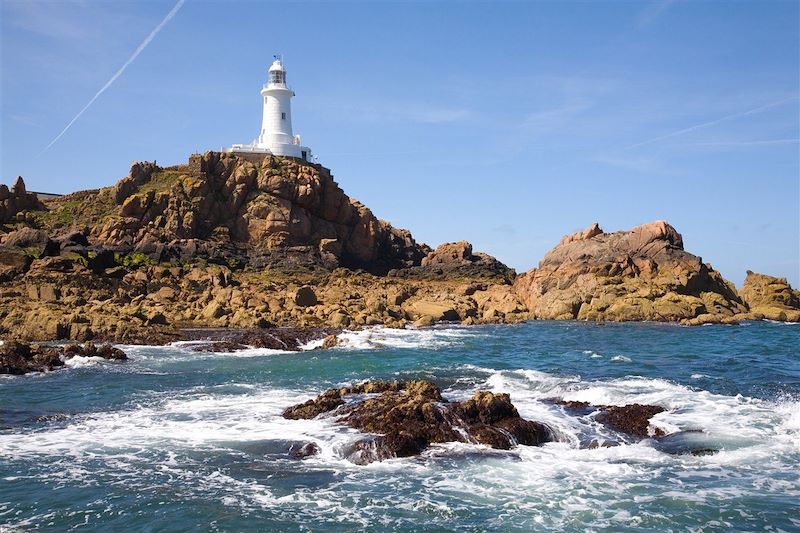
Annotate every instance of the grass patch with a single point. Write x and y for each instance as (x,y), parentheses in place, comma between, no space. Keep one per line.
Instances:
(133,260)
(161,181)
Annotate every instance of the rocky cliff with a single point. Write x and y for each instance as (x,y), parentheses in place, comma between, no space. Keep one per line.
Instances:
(229,209)
(228,241)
(640,274)
(231,241)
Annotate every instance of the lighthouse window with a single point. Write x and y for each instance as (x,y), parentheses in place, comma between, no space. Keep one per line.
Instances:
(283,116)
(276,76)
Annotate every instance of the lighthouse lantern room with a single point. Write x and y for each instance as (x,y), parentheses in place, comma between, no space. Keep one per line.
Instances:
(276,135)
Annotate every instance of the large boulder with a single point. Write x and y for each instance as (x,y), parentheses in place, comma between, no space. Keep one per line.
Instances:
(406,417)
(640,274)
(770,297)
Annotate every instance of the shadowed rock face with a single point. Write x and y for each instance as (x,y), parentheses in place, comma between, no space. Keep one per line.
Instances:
(21,358)
(408,416)
(456,259)
(641,274)
(770,297)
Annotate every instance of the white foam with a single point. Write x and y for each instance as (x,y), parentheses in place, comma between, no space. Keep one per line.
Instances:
(156,441)
(80,361)
(380,337)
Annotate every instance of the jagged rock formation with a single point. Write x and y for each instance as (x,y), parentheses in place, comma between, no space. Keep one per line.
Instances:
(228,207)
(16,200)
(408,416)
(771,298)
(245,242)
(456,259)
(641,274)
(227,241)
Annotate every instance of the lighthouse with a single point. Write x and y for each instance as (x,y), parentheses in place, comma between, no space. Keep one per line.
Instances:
(276,136)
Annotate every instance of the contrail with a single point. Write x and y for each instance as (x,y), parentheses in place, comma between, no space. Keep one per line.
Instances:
(711,123)
(135,54)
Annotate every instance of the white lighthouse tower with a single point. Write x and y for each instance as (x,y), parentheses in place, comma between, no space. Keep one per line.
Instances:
(276,135)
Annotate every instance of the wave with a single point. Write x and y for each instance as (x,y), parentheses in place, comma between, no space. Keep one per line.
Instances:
(228,443)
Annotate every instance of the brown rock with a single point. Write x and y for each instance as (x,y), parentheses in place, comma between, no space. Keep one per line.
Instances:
(770,297)
(409,416)
(633,419)
(641,274)
(21,358)
(436,310)
(305,296)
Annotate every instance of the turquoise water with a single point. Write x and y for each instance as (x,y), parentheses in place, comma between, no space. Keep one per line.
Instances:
(178,441)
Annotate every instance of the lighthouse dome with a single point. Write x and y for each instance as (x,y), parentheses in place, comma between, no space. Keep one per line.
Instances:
(277,74)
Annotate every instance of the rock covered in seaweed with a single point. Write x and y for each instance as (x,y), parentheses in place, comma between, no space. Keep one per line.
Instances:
(633,420)
(406,417)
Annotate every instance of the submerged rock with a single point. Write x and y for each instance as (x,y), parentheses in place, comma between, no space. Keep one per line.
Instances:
(20,358)
(230,340)
(693,441)
(632,419)
(408,416)
(302,451)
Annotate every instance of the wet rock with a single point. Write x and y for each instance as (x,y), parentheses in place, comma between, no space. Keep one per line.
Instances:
(302,451)
(324,403)
(21,358)
(633,419)
(331,341)
(231,339)
(408,416)
(693,442)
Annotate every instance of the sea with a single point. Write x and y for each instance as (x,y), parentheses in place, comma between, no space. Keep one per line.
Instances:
(176,440)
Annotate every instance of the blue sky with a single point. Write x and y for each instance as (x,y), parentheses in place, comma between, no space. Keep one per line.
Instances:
(507,124)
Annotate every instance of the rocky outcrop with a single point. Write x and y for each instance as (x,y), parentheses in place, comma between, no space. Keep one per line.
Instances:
(771,298)
(406,417)
(272,211)
(632,420)
(456,260)
(640,274)
(21,358)
(17,200)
